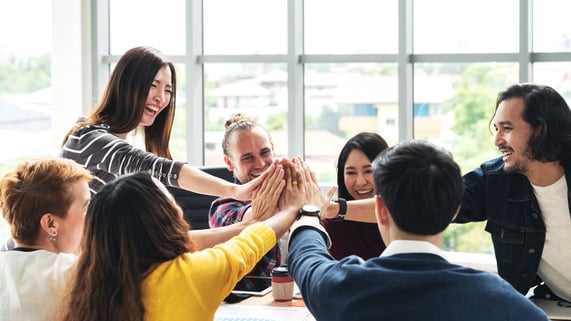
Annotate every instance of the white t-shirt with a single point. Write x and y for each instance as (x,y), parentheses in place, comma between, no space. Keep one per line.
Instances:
(33,284)
(555,265)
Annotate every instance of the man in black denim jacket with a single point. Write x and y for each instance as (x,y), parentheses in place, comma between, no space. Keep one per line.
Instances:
(524,194)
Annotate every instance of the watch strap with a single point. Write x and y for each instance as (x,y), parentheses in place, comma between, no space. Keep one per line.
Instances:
(342,209)
(309,222)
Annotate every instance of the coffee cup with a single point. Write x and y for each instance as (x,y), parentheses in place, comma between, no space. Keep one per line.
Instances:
(282,284)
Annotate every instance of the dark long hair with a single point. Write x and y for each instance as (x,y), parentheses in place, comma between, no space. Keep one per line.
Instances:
(122,104)
(549,115)
(131,225)
(369,143)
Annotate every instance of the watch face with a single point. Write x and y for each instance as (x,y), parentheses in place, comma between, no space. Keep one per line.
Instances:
(311,210)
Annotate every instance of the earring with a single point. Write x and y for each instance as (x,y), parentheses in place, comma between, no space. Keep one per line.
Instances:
(53,236)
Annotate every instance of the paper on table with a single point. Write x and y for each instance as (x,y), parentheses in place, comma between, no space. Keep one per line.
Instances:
(231,312)
(553,310)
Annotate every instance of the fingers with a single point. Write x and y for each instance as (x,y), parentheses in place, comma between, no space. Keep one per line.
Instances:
(301,166)
(331,191)
(260,179)
(309,175)
(274,176)
(313,176)
(288,172)
(299,175)
(294,175)
(265,200)
(294,185)
(313,193)
(273,183)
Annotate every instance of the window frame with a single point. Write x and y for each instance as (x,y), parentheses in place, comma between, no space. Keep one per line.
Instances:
(97,36)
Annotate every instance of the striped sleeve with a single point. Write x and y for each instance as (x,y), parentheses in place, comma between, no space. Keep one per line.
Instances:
(108,156)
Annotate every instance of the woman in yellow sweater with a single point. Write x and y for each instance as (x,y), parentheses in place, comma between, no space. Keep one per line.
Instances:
(137,260)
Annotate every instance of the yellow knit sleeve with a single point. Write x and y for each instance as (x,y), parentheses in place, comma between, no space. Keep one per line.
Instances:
(194,284)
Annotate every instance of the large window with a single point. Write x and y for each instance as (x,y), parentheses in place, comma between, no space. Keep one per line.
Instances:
(135,23)
(25,84)
(341,100)
(350,27)
(255,89)
(314,72)
(245,27)
(452,26)
(550,32)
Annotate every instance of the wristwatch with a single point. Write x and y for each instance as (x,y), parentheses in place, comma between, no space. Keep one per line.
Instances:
(342,209)
(309,210)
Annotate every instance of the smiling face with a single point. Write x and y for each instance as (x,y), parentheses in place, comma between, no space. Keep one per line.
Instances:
(513,134)
(250,153)
(358,175)
(159,96)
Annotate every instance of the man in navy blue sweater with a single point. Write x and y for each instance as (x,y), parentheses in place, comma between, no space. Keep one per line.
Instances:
(418,192)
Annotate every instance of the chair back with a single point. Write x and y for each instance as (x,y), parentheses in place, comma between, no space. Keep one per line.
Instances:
(195,206)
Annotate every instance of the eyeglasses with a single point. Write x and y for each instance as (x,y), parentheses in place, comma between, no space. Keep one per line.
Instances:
(564,304)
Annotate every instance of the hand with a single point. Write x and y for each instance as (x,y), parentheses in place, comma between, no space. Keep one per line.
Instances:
(245,192)
(313,193)
(291,199)
(330,211)
(293,194)
(265,200)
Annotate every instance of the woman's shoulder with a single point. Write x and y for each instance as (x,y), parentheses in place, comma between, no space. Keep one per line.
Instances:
(88,136)
(40,258)
(93,128)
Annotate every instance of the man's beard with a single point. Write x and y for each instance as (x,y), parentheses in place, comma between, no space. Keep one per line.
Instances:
(516,168)
(520,166)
